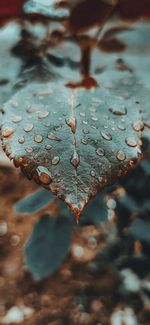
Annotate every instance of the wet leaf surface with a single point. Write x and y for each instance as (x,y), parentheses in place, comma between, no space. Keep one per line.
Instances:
(94,214)
(74,141)
(47,246)
(74,144)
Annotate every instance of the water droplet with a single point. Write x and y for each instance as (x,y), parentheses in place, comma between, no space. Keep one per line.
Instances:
(74,142)
(14,103)
(120,110)
(7,132)
(52,136)
(100,152)
(38,138)
(84,140)
(43,114)
(138,126)
(75,159)
(72,123)
(82,114)
(44,175)
(42,93)
(93,109)
(46,123)
(85,131)
(121,155)
(58,127)
(84,122)
(28,127)
(94,127)
(48,147)
(16,118)
(131,142)
(55,160)
(31,109)
(29,149)
(106,136)
(93,173)
(94,118)
(121,127)
(21,140)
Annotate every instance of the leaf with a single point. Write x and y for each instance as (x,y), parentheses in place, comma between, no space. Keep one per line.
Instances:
(47,246)
(140,230)
(122,80)
(94,214)
(134,201)
(33,202)
(72,142)
(47,9)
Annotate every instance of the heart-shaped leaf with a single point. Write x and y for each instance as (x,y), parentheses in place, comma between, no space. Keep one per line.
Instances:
(48,245)
(72,142)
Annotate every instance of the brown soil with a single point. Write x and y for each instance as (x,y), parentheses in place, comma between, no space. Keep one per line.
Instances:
(74,295)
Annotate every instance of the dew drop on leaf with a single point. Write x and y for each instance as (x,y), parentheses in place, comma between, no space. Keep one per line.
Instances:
(131,142)
(28,127)
(75,159)
(106,136)
(21,140)
(38,138)
(55,160)
(44,175)
(100,152)
(121,155)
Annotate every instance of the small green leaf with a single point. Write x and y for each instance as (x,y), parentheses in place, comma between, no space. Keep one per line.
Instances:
(48,245)
(33,202)
(140,230)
